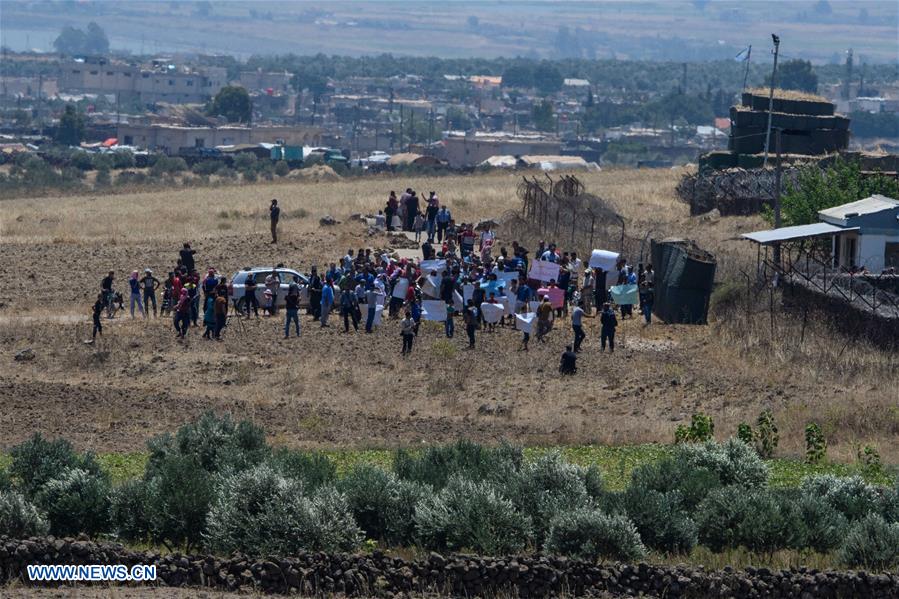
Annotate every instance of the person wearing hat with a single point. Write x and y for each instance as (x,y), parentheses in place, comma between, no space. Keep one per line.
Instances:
(150,284)
(274,214)
(134,284)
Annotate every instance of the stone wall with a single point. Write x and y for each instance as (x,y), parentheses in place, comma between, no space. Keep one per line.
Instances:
(376,574)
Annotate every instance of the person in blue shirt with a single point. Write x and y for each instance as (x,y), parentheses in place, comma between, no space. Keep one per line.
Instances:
(327,301)
(134,283)
(443,220)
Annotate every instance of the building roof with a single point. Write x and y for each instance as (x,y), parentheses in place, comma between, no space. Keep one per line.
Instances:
(798,232)
(870,205)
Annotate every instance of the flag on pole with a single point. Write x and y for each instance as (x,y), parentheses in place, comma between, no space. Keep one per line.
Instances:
(743,55)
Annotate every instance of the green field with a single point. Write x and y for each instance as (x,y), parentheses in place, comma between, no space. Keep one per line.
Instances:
(616,463)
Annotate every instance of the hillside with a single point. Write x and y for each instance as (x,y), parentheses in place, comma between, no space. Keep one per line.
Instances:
(330,389)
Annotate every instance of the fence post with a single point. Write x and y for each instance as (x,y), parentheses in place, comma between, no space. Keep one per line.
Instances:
(592,225)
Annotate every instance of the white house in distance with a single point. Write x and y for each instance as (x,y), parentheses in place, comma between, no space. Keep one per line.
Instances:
(875,243)
(864,234)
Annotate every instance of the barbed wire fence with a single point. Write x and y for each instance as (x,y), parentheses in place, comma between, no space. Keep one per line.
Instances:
(560,210)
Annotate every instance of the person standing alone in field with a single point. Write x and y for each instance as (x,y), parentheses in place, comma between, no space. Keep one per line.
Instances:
(407,330)
(274,214)
(608,323)
(97,311)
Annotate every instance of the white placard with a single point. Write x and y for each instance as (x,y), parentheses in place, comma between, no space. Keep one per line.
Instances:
(431,286)
(493,313)
(458,304)
(603,259)
(508,303)
(524,322)
(400,289)
(467,292)
(544,271)
(532,306)
(433,310)
(506,278)
(379,310)
(437,266)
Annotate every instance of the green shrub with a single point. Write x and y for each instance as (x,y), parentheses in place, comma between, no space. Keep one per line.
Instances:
(734,462)
(701,429)
(591,535)
(217,442)
(179,491)
(871,543)
(282,169)
(166,165)
(745,434)
(718,518)
(76,501)
(823,527)
(314,469)
(435,465)
(81,160)
(815,444)
(103,178)
(37,461)
(770,522)
(890,503)
(594,482)
(726,298)
(245,161)
(850,495)
(19,518)
(382,504)
(128,505)
(122,159)
(545,487)
(677,473)
(869,461)
(225,172)
(102,161)
(249,176)
(660,519)
(473,515)
(205,167)
(766,435)
(259,511)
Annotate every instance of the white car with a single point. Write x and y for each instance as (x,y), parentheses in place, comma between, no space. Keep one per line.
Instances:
(287,276)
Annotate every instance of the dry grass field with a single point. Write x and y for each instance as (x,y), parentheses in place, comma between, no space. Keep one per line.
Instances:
(331,389)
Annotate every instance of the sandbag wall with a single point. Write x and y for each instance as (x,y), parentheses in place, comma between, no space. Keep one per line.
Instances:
(684,277)
(808,127)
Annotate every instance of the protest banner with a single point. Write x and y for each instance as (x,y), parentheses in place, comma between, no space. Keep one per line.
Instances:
(524,322)
(624,295)
(604,260)
(544,271)
(400,289)
(458,304)
(508,303)
(379,311)
(431,286)
(433,310)
(467,292)
(532,306)
(492,312)
(428,266)
(556,295)
(506,278)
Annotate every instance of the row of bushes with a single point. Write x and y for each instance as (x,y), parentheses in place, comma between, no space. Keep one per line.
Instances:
(217,484)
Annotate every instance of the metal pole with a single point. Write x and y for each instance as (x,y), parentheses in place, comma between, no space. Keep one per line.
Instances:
(746,71)
(771,98)
(777,175)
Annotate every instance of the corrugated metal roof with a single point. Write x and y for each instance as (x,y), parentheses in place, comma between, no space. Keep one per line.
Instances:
(869,205)
(797,232)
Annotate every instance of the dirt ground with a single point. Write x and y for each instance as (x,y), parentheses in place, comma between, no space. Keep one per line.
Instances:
(331,389)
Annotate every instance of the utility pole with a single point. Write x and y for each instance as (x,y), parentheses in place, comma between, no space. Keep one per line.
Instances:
(847,85)
(777,176)
(683,90)
(746,70)
(771,98)
(40,95)
(402,127)
(411,130)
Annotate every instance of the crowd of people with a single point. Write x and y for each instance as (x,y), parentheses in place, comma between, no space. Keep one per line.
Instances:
(465,271)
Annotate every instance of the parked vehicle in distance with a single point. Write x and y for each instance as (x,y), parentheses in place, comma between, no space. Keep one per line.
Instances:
(287,276)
